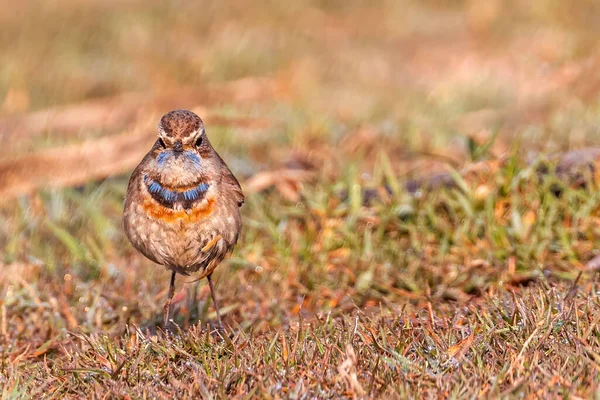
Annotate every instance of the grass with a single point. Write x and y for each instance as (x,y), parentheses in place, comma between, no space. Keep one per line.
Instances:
(476,291)
(502,347)
(447,294)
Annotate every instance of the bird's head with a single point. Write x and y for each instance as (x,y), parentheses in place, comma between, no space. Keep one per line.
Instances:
(181,130)
(182,152)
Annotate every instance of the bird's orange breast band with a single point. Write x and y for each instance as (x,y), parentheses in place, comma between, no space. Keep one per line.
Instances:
(158,211)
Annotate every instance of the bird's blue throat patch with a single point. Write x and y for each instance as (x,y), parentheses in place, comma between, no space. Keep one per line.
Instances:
(169,197)
(189,156)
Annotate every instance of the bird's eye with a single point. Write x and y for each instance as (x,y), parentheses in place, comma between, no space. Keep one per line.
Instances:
(162,143)
(199,141)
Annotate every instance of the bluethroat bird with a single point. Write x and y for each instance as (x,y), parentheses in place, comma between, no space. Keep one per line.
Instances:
(182,208)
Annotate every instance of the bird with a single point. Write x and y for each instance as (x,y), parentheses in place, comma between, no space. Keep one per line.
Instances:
(182,205)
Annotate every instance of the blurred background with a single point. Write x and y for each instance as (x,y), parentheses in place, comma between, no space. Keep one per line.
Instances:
(424,75)
(305,100)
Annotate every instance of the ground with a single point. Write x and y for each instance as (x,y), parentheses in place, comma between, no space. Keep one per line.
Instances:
(358,273)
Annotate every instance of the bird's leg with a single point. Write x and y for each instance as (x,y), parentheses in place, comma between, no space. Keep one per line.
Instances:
(193,304)
(214,299)
(167,307)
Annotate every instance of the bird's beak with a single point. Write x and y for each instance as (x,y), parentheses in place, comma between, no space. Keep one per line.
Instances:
(178,146)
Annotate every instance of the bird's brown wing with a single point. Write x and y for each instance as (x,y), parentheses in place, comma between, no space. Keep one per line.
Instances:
(232,183)
(234,187)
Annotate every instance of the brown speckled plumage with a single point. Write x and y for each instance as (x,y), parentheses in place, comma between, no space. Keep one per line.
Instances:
(182,203)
